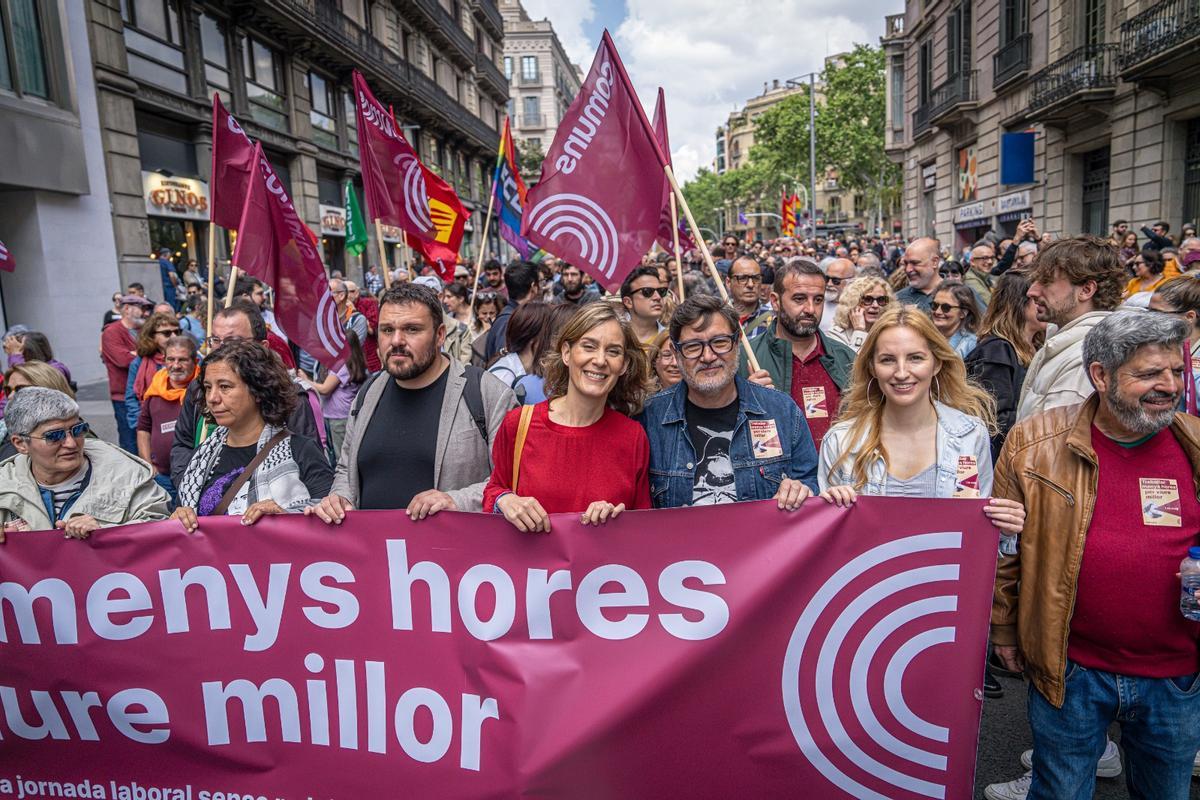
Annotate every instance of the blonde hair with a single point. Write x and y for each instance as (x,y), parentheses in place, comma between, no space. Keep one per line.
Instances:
(863,405)
(631,388)
(39,373)
(852,296)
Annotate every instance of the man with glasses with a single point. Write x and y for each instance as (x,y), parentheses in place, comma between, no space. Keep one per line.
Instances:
(715,437)
(118,348)
(838,274)
(60,480)
(743,282)
(642,296)
(979,272)
(920,262)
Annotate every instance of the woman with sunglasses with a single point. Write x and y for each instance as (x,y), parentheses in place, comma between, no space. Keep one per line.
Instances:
(151,354)
(861,303)
(1148,273)
(113,314)
(19,376)
(61,480)
(956,315)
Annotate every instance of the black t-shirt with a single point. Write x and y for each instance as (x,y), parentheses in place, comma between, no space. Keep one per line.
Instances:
(395,459)
(315,472)
(230,459)
(711,431)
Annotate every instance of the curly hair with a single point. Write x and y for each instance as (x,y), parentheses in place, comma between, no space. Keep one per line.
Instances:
(264,375)
(1081,259)
(147,345)
(852,295)
(631,388)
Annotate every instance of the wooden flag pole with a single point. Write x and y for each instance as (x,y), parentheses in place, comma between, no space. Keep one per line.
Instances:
(405,258)
(212,276)
(708,260)
(383,262)
(487,222)
(675,238)
(233,276)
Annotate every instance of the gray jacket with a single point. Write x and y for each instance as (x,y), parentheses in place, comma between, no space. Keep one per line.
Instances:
(462,460)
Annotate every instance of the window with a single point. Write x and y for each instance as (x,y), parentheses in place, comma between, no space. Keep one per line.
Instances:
(1191,172)
(1094,22)
(958,41)
(1014,20)
(925,87)
(154,40)
(324,111)
(23,69)
(264,84)
(529,68)
(1095,191)
(508,67)
(898,94)
(216,56)
(531,112)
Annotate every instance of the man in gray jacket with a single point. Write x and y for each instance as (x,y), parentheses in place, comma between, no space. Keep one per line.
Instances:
(419,435)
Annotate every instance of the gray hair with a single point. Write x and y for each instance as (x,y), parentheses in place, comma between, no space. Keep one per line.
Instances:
(34,405)
(1119,335)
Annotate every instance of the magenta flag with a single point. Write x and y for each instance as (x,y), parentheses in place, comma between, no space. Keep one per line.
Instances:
(274,246)
(7,262)
(825,652)
(598,200)
(232,166)
(665,239)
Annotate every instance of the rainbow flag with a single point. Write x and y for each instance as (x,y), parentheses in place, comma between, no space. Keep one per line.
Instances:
(509,191)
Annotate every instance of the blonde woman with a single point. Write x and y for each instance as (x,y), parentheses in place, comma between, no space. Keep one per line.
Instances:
(912,425)
(860,305)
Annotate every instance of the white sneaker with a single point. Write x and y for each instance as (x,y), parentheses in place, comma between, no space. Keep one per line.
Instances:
(1013,790)
(1196,765)
(1109,765)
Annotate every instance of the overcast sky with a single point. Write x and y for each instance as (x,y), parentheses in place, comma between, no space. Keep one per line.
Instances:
(711,56)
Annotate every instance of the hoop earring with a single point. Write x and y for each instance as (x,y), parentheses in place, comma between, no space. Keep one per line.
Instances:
(869,403)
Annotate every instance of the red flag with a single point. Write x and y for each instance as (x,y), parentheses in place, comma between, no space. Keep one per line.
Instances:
(449,216)
(7,262)
(232,166)
(664,220)
(598,201)
(788,213)
(274,246)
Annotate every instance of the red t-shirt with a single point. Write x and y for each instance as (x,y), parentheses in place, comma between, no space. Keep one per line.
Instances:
(1126,617)
(567,469)
(815,392)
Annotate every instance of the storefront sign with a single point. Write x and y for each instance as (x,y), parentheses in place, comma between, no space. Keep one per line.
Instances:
(975,211)
(392,234)
(1017,201)
(929,176)
(333,220)
(179,198)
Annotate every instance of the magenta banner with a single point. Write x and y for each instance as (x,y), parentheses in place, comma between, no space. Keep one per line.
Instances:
(728,651)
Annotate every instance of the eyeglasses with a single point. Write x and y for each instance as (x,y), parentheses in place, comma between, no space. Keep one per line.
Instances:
(649,291)
(872,300)
(694,348)
(982,260)
(58,435)
(945,308)
(666,356)
(168,331)
(216,341)
(745,280)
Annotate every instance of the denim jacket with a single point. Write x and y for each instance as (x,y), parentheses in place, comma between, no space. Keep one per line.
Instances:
(673,459)
(957,435)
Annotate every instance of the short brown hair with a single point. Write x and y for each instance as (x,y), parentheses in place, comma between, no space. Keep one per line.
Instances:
(701,308)
(1081,259)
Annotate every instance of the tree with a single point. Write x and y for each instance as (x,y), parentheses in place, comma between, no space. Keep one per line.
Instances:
(529,161)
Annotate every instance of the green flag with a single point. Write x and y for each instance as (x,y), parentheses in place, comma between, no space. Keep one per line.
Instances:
(356,228)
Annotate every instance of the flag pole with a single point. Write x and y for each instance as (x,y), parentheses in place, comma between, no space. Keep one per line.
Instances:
(675,238)
(383,262)
(233,276)
(212,275)
(487,222)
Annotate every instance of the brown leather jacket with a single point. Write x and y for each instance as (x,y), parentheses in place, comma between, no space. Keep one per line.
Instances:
(1049,465)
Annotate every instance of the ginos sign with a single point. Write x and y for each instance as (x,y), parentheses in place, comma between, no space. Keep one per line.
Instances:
(182,198)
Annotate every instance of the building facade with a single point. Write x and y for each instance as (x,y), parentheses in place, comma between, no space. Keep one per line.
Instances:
(283,69)
(542,80)
(1072,112)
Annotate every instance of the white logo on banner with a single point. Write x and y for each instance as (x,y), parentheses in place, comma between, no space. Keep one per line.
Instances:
(822,673)
(415,195)
(3,252)
(329,328)
(577,217)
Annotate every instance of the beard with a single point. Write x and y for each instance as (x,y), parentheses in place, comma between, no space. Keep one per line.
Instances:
(1136,418)
(710,381)
(421,361)
(800,326)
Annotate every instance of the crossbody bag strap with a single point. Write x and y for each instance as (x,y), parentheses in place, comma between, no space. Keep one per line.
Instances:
(236,486)
(522,432)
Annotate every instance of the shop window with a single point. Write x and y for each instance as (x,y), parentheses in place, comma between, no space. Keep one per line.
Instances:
(1095,191)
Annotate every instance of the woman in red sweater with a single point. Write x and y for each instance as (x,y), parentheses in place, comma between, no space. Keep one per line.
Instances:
(580,451)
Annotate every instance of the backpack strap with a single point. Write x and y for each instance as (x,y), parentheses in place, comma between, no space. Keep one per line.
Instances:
(473,396)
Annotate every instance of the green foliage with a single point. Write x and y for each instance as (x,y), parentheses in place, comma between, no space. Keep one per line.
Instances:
(529,161)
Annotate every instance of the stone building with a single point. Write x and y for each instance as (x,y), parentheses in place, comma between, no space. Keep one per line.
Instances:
(542,80)
(1074,112)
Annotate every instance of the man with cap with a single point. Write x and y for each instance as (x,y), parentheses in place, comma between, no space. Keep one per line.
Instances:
(118,348)
(462,275)
(170,277)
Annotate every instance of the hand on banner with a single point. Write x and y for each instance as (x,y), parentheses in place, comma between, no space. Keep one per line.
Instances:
(332,510)
(1010,657)
(843,496)
(600,512)
(762,378)
(428,503)
(526,513)
(255,512)
(13,526)
(1007,515)
(187,517)
(791,494)
(78,527)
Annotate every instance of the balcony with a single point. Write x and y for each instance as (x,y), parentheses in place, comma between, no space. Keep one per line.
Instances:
(445,31)
(1011,61)
(491,78)
(532,122)
(489,13)
(1158,44)
(1075,85)
(893,26)
(921,124)
(949,100)
(530,80)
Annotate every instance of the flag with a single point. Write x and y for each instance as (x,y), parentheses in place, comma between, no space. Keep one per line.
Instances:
(445,209)
(598,200)
(509,195)
(664,219)
(274,246)
(356,226)
(232,166)
(742,219)
(788,213)
(7,262)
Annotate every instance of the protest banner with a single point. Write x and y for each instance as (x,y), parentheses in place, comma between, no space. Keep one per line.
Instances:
(724,651)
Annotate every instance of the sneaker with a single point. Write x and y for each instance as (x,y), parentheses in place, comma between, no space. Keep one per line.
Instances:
(1196,765)
(1109,765)
(1013,790)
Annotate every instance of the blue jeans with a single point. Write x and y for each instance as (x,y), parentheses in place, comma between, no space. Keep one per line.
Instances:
(1160,733)
(126,436)
(165,482)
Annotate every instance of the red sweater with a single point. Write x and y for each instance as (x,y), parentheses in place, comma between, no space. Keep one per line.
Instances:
(567,469)
(118,346)
(1126,618)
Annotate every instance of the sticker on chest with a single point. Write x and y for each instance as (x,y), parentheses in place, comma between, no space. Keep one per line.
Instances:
(764,437)
(1160,502)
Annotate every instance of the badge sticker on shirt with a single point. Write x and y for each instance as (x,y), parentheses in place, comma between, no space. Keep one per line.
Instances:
(814,402)
(1160,502)
(167,427)
(1195,363)
(966,479)
(764,438)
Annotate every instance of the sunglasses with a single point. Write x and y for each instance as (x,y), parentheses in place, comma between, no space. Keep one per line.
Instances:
(872,300)
(649,291)
(59,435)
(168,332)
(834,281)
(694,348)
(945,308)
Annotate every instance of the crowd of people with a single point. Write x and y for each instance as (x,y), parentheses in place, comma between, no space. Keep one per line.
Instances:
(1055,377)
